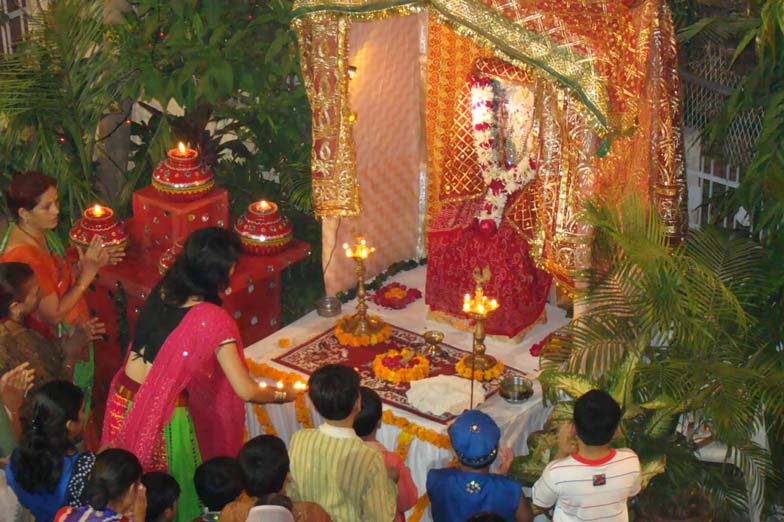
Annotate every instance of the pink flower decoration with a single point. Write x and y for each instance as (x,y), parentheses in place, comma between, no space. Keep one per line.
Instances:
(536,349)
(487,227)
(496,186)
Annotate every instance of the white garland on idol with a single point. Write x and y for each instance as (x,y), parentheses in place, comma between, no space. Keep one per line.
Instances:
(485,131)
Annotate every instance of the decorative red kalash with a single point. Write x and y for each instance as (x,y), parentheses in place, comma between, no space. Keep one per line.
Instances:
(262,230)
(182,176)
(168,257)
(98,221)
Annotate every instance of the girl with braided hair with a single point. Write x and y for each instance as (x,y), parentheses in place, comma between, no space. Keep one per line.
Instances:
(47,471)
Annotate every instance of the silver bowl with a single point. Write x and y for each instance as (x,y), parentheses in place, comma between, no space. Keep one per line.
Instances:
(516,389)
(328,306)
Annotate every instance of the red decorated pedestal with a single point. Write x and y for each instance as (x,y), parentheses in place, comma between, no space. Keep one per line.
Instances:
(262,229)
(158,221)
(182,176)
(98,221)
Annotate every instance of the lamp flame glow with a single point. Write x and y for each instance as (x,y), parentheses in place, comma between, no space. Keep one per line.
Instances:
(360,250)
(181,149)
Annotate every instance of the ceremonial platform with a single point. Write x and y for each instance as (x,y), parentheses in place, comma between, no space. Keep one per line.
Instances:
(419,437)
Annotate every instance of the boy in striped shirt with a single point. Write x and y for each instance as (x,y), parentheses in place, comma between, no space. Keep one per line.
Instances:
(330,465)
(594,482)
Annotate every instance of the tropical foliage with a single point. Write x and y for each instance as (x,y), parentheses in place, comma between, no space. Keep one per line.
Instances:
(54,90)
(756,32)
(221,76)
(672,334)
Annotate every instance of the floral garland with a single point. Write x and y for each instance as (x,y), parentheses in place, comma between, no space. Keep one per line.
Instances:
(464,370)
(419,508)
(536,348)
(262,417)
(261,370)
(396,296)
(439,440)
(500,181)
(348,339)
(404,439)
(391,366)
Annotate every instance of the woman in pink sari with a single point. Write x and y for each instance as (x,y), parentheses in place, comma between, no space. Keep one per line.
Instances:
(179,397)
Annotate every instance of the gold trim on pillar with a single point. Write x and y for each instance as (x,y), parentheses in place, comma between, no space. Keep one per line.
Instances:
(323,47)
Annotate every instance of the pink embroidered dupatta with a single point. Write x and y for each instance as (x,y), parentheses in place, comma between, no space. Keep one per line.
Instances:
(187,361)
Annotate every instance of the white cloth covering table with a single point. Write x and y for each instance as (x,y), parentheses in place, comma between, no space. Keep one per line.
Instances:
(516,421)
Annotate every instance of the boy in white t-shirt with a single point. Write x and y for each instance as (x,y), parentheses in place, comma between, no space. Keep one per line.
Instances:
(594,482)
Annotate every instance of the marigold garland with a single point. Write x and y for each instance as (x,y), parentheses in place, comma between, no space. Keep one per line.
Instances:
(263,419)
(439,440)
(464,370)
(384,366)
(348,339)
(404,439)
(419,508)
(261,370)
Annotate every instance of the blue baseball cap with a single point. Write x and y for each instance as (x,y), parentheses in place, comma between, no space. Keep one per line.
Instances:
(475,437)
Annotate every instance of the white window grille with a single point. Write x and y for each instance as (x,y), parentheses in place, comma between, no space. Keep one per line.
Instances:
(16,24)
(708,178)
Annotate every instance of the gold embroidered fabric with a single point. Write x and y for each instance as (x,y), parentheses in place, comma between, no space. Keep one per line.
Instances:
(646,159)
(323,40)
(602,69)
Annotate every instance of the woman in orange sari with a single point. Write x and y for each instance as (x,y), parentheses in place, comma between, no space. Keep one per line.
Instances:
(32,200)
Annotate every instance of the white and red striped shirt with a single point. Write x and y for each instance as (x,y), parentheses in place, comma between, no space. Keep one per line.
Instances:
(589,490)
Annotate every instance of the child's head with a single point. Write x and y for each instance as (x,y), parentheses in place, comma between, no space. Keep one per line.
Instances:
(334,391)
(51,419)
(474,436)
(218,481)
(114,481)
(369,416)
(265,465)
(596,417)
(162,494)
(276,499)
(20,292)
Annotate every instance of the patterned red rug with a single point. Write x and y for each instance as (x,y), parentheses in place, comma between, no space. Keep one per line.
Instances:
(325,349)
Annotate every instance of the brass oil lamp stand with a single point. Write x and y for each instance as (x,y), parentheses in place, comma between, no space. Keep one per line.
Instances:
(360,323)
(477,307)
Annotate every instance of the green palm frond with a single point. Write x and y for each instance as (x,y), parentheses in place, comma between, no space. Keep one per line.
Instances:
(571,384)
(54,90)
(672,330)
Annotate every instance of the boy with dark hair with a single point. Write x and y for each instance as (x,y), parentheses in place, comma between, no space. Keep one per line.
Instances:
(330,465)
(162,494)
(457,493)
(366,425)
(218,481)
(594,482)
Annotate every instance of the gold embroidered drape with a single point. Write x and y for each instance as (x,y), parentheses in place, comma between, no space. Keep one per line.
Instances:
(606,73)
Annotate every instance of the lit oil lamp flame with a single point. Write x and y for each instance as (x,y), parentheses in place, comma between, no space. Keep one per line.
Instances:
(479,303)
(262,205)
(360,250)
(97,210)
(181,149)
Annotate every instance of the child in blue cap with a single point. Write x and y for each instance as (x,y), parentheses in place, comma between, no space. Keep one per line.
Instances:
(460,492)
